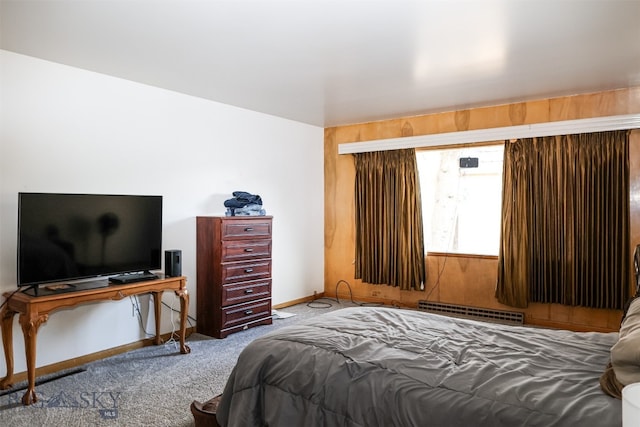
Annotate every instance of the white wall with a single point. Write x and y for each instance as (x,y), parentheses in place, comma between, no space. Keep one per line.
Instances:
(63,129)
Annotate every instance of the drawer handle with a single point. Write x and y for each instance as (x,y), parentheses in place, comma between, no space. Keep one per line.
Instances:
(248,250)
(248,312)
(248,291)
(248,270)
(248,229)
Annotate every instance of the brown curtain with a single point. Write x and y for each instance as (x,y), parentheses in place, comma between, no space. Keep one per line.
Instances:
(565,221)
(389,233)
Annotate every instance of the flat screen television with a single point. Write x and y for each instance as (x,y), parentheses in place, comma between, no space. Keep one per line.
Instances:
(67,237)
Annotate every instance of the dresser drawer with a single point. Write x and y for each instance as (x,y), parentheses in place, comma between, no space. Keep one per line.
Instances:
(246,229)
(246,270)
(245,313)
(245,291)
(237,250)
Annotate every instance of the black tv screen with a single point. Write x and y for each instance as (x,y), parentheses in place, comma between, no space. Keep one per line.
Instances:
(64,237)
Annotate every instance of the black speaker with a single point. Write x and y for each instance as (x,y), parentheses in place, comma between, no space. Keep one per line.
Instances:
(173,263)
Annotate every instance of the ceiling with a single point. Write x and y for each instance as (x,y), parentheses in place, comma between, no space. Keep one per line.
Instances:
(335,62)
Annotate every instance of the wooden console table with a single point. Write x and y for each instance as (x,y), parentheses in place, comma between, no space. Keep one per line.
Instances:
(34,311)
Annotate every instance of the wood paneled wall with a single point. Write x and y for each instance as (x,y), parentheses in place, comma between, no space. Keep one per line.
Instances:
(466,280)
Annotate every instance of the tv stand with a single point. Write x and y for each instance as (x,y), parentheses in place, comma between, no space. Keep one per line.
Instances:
(35,310)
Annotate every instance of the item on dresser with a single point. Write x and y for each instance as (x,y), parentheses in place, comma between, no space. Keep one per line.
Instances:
(244,204)
(241,199)
(249,210)
(234,273)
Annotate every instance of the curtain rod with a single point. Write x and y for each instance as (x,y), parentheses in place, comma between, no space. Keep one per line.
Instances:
(565,127)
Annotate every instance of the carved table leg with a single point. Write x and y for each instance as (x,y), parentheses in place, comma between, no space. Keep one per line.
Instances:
(6,324)
(157,307)
(184,311)
(30,325)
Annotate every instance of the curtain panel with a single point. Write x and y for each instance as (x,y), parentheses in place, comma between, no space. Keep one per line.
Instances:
(565,221)
(388,209)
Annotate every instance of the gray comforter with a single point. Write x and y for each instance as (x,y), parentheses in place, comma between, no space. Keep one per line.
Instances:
(393,367)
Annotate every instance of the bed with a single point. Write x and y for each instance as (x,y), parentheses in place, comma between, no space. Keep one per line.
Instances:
(375,366)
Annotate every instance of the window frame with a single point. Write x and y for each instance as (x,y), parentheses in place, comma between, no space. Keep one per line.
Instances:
(439,253)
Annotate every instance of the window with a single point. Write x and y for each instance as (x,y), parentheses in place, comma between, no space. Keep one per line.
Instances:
(461,198)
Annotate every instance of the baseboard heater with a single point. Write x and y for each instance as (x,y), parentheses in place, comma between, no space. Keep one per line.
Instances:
(476,313)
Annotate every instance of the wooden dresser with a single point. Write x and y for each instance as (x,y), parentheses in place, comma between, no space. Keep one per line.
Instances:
(233,273)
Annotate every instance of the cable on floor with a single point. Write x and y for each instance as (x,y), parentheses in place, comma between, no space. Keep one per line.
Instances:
(323,304)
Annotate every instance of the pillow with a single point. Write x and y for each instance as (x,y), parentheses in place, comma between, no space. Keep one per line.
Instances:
(625,353)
